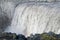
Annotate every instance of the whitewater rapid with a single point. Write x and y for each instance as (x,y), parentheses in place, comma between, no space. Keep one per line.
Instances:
(35,18)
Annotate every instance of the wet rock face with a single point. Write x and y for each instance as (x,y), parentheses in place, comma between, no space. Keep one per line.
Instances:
(43,36)
(11,36)
(34,37)
(21,37)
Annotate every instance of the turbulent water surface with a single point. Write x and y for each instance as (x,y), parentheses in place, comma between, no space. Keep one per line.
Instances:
(35,17)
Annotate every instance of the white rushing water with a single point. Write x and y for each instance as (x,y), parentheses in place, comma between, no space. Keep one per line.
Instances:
(35,18)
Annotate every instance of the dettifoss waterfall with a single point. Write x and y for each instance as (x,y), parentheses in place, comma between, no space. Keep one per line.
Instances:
(36,17)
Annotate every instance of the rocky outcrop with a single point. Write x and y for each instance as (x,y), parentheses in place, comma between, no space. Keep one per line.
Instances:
(11,36)
(43,36)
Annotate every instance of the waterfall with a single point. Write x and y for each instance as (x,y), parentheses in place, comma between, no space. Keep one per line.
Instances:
(35,18)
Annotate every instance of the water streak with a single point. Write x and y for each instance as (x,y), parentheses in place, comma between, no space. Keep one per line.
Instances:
(35,18)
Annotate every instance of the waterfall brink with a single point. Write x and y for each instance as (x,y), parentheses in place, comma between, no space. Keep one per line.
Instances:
(35,18)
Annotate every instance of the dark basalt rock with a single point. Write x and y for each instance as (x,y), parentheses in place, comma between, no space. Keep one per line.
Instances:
(11,36)
(34,37)
(7,35)
(21,37)
(43,36)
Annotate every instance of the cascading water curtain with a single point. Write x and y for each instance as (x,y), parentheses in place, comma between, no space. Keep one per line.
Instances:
(35,16)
